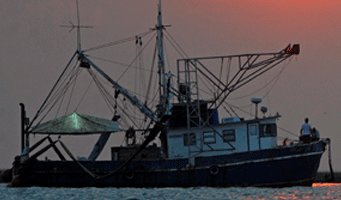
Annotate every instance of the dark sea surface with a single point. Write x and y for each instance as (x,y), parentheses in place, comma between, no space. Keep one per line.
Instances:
(318,191)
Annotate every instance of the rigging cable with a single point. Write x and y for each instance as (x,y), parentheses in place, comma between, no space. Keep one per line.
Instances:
(105,94)
(86,91)
(228,70)
(60,93)
(287,131)
(221,73)
(234,112)
(232,107)
(62,100)
(108,97)
(73,88)
(132,38)
(107,60)
(181,52)
(114,62)
(139,75)
(275,79)
(228,111)
(48,96)
(135,58)
(63,86)
(65,83)
(151,74)
(107,83)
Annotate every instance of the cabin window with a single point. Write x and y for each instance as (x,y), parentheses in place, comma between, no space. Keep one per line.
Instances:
(268,130)
(209,137)
(191,141)
(229,135)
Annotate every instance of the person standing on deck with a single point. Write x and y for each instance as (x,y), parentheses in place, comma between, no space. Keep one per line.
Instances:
(305,131)
(315,135)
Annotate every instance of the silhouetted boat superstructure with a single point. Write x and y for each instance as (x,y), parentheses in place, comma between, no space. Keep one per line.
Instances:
(197,147)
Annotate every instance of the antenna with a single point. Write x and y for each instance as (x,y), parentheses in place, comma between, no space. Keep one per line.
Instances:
(78,26)
(256,101)
(78,29)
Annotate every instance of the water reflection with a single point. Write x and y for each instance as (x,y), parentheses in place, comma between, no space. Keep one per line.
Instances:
(317,191)
(326,184)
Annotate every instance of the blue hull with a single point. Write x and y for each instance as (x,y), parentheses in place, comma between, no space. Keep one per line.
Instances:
(287,166)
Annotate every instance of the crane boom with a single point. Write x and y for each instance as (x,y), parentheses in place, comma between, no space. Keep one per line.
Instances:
(133,99)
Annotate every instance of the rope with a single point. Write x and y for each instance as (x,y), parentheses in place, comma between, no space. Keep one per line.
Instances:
(48,96)
(135,58)
(75,160)
(276,78)
(238,108)
(109,100)
(177,47)
(60,92)
(86,91)
(288,131)
(73,89)
(105,94)
(151,74)
(152,134)
(132,38)
(63,86)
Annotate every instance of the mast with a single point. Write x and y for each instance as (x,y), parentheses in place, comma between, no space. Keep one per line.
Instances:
(164,106)
(23,116)
(161,62)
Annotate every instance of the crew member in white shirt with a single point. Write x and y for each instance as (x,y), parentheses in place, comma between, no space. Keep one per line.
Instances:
(305,131)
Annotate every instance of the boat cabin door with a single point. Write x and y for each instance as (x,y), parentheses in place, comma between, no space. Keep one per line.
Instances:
(253,135)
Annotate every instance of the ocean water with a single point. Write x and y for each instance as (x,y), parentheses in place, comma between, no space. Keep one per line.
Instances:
(318,191)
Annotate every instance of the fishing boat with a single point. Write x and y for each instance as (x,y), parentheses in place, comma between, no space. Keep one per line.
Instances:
(181,142)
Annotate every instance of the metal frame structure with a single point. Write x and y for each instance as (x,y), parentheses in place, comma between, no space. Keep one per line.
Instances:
(250,66)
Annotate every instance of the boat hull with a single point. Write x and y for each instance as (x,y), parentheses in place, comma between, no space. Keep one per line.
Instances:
(284,166)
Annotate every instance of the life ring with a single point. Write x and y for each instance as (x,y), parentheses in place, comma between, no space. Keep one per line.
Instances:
(214,170)
(129,174)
